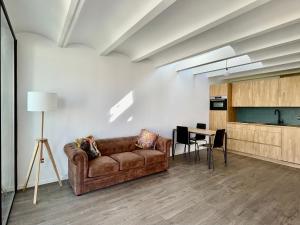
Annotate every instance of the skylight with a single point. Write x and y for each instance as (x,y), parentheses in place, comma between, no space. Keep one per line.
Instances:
(208,57)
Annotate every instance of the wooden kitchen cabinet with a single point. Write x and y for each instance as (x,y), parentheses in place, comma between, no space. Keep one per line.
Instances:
(265,92)
(290,144)
(289,91)
(242,94)
(240,131)
(218,90)
(267,151)
(272,143)
(269,135)
(217,119)
(269,92)
(248,147)
(240,146)
(255,139)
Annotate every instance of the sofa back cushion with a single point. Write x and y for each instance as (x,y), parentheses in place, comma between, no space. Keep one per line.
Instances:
(116,145)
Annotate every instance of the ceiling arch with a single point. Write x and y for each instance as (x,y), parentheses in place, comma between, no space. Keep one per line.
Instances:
(168,31)
(38,16)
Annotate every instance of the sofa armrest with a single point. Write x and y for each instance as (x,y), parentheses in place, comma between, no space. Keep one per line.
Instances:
(77,167)
(163,145)
(76,155)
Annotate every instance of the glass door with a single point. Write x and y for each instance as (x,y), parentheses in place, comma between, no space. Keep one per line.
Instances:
(8,123)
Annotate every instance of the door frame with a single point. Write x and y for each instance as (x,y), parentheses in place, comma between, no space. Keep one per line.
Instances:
(15,107)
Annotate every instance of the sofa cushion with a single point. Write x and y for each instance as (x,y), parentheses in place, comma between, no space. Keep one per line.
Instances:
(116,145)
(146,139)
(88,145)
(151,156)
(102,165)
(128,160)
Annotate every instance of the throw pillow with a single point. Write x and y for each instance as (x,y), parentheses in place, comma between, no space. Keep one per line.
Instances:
(88,144)
(146,139)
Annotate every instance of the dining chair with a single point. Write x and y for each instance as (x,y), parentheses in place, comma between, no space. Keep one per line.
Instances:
(199,137)
(183,137)
(218,144)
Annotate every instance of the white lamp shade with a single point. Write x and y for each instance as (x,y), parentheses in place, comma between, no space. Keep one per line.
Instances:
(41,101)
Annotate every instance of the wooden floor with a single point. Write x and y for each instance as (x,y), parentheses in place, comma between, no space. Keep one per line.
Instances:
(248,191)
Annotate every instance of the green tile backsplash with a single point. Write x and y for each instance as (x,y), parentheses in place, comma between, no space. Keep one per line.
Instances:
(266,115)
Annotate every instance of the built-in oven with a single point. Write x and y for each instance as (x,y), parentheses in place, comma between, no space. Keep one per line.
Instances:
(218,103)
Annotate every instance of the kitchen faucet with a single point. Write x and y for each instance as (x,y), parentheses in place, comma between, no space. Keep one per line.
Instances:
(279,120)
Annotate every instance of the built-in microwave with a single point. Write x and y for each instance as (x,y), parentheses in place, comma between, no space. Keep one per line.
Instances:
(218,103)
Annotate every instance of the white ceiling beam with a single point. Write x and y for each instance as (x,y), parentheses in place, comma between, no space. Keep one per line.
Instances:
(281,60)
(271,73)
(275,52)
(140,21)
(284,40)
(70,21)
(198,30)
(252,24)
(275,70)
(254,57)
(261,61)
(267,64)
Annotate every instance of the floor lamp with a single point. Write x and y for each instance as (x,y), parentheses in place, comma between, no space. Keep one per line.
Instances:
(40,102)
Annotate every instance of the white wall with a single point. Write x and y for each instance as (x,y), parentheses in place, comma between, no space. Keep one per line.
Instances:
(88,86)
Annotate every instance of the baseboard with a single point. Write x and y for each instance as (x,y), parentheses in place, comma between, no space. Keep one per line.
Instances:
(42,182)
(266,159)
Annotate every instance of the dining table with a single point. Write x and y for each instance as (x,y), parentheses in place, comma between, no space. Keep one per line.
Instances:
(208,133)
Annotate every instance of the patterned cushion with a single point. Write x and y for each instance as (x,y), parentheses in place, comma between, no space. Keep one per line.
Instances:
(88,145)
(146,139)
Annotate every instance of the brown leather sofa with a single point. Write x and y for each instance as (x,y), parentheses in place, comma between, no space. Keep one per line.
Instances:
(120,161)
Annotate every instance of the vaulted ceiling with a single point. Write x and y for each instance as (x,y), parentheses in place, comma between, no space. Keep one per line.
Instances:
(223,38)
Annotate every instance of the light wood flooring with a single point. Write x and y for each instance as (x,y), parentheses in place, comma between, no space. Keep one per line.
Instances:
(247,192)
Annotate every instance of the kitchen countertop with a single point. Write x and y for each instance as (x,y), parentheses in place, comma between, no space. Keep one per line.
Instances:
(266,124)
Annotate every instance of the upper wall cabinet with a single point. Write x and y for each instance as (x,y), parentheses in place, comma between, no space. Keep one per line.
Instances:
(289,91)
(271,92)
(218,89)
(242,94)
(265,92)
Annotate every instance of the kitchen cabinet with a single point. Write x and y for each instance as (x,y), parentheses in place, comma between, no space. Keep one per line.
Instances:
(218,90)
(269,92)
(265,92)
(255,139)
(267,151)
(242,94)
(289,91)
(240,146)
(279,143)
(241,131)
(290,144)
(269,135)
(217,119)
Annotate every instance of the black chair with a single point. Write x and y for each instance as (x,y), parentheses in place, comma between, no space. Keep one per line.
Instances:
(218,144)
(199,137)
(183,137)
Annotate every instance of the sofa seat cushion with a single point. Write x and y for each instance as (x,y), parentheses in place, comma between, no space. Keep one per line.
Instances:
(128,160)
(102,165)
(151,156)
